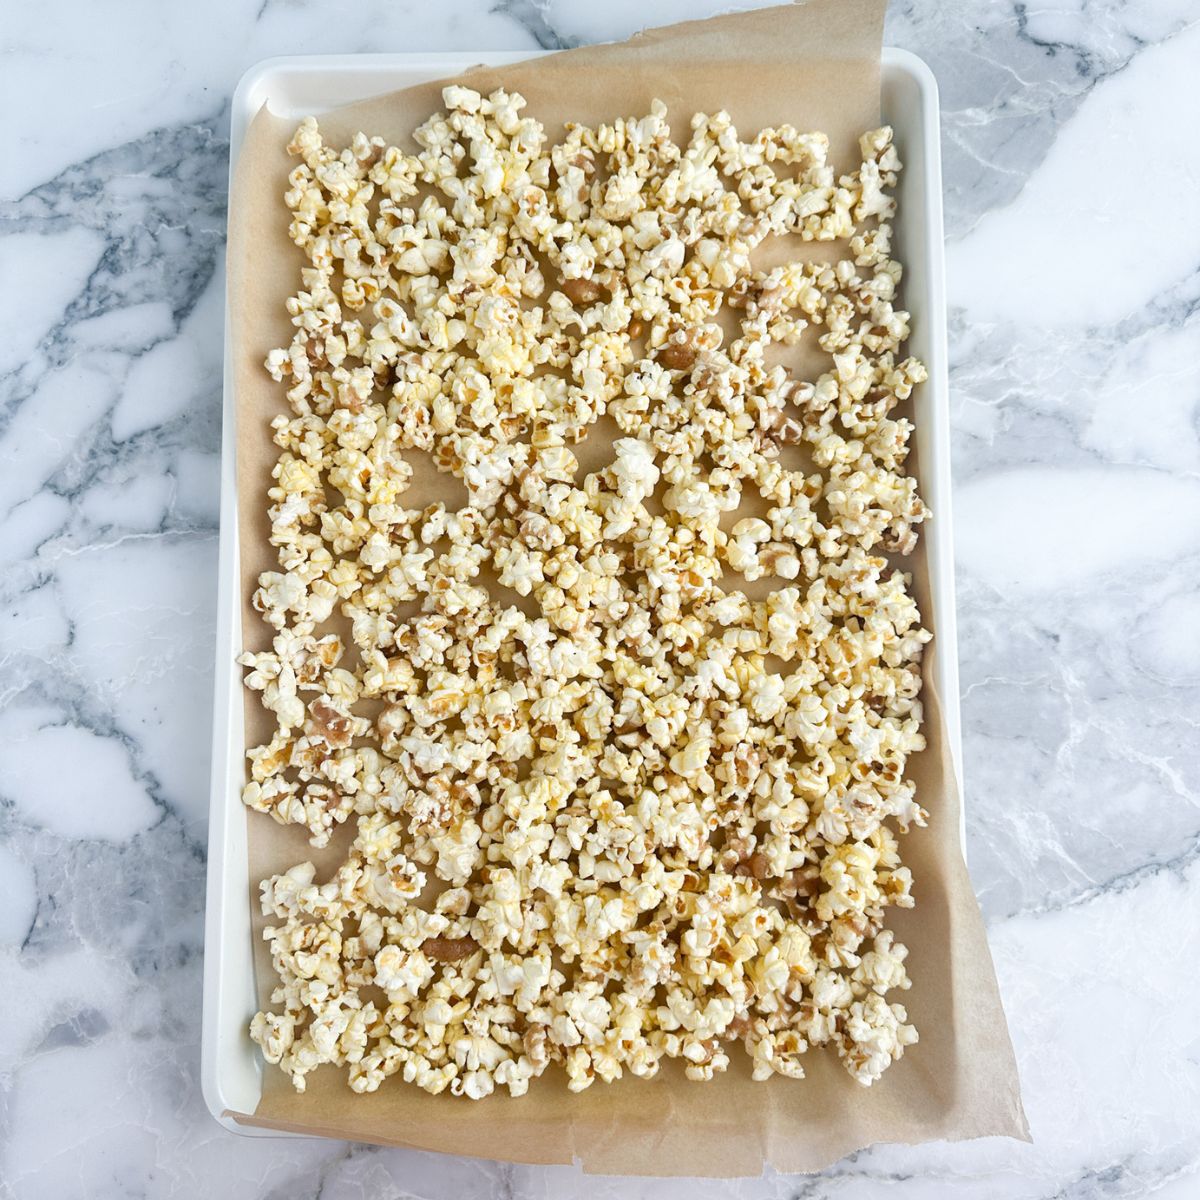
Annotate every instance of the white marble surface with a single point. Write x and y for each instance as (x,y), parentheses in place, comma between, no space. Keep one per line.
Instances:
(1072,169)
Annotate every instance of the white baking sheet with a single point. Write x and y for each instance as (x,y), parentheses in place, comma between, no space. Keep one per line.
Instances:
(231,1068)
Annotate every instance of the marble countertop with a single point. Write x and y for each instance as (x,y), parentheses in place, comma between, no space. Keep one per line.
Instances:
(1072,169)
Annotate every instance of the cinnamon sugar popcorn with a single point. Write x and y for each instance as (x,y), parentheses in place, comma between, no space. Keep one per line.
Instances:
(603,802)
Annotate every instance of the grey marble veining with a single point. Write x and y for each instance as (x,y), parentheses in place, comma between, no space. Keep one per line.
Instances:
(1071,168)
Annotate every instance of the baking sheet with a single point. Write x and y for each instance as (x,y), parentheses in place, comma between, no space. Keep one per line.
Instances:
(816,66)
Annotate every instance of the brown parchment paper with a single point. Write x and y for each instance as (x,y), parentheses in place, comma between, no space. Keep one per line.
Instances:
(815,66)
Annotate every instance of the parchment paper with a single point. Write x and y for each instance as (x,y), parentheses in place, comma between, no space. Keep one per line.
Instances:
(815,66)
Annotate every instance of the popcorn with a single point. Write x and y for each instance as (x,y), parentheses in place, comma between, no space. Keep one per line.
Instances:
(600,806)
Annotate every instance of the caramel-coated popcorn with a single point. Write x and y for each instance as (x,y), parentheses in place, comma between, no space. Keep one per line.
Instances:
(602,803)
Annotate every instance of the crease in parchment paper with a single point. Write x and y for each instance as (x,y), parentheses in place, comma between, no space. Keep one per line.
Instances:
(814,66)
